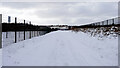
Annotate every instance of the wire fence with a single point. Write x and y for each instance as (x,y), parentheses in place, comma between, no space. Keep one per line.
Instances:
(113,21)
(19,30)
(16,30)
(19,36)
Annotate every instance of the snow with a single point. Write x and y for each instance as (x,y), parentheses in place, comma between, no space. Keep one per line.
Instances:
(20,36)
(0,57)
(62,48)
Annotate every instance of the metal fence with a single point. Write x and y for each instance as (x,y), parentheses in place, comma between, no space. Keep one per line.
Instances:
(113,21)
(10,39)
(20,33)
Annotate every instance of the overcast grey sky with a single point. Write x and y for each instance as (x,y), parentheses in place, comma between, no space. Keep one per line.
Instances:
(59,0)
(60,12)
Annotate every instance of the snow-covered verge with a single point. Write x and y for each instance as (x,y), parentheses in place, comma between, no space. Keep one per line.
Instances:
(0,57)
(62,48)
(20,36)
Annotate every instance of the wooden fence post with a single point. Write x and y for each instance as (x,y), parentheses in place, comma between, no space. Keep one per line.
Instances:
(15,29)
(30,29)
(24,29)
(0,30)
(7,26)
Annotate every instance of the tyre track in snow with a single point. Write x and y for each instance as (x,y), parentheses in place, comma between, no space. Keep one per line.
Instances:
(69,52)
(63,49)
(82,56)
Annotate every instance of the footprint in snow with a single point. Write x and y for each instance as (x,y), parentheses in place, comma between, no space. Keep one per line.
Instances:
(66,64)
(9,56)
(16,62)
(101,56)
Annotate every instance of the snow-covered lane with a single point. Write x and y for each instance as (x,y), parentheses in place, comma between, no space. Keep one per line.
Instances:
(62,48)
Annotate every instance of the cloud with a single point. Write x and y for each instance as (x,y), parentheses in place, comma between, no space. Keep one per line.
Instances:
(59,0)
(93,9)
(63,13)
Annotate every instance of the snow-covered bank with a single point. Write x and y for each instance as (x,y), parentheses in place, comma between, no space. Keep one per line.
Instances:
(62,48)
(20,36)
(0,57)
